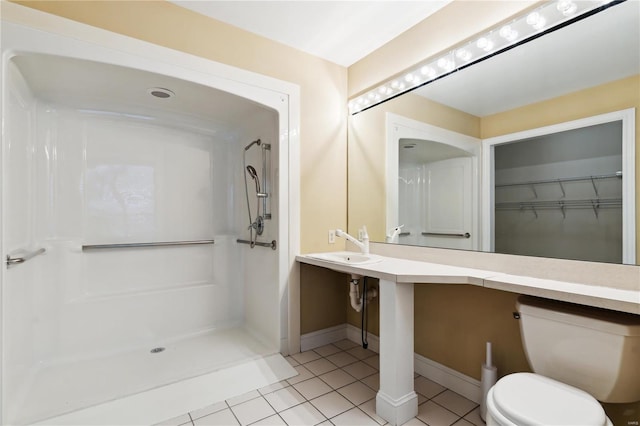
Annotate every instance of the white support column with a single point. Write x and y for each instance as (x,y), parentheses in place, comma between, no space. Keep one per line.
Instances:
(396,402)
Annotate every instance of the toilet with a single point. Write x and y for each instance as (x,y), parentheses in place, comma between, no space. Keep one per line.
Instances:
(580,355)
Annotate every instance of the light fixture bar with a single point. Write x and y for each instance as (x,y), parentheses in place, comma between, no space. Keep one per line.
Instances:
(546,18)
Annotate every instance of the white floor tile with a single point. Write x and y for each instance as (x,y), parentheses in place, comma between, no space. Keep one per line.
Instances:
(327,350)
(474,417)
(221,418)
(303,374)
(373,361)
(462,422)
(331,404)
(292,361)
(369,407)
(414,422)
(345,344)
(361,353)
(210,409)
(357,393)
(435,415)
(427,387)
(243,398)
(312,388)
(285,398)
(421,398)
(337,378)
(304,357)
(302,415)
(353,417)
(274,420)
(273,387)
(372,381)
(455,402)
(252,411)
(359,370)
(320,366)
(342,358)
(176,421)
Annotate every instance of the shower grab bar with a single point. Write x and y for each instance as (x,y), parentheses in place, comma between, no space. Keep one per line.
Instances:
(135,245)
(272,244)
(438,234)
(18,260)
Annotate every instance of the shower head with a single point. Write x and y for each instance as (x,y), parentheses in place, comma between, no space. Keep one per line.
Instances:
(256,142)
(254,175)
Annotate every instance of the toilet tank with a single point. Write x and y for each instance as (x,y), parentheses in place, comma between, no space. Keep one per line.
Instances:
(593,349)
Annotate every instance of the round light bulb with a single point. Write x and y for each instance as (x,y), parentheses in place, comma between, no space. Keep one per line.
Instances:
(567,7)
(508,33)
(408,78)
(395,84)
(536,20)
(428,71)
(463,54)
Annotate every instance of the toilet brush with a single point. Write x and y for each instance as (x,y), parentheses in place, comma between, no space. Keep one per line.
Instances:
(488,378)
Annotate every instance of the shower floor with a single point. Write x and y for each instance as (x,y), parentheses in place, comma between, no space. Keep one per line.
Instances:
(215,361)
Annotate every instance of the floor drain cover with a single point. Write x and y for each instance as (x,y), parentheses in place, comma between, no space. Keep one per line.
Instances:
(156,350)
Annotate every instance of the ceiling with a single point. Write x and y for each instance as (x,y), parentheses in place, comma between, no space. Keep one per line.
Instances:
(342,32)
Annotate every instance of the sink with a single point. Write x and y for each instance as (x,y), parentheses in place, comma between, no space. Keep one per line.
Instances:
(347,257)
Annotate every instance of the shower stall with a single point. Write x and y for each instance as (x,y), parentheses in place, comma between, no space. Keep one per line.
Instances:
(129,266)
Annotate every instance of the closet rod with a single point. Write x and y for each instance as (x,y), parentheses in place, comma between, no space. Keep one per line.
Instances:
(601,203)
(573,179)
(134,245)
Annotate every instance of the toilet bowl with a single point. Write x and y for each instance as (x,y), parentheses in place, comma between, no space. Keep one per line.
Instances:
(580,355)
(527,399)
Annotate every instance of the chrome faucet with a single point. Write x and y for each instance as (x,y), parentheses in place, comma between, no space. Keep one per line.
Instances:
(363,245)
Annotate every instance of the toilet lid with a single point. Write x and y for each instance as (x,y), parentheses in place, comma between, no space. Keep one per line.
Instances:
(531,399)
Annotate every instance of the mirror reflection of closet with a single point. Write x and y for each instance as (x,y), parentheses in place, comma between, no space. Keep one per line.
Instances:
(560,195)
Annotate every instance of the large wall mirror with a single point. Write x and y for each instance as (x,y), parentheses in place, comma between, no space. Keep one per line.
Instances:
(532,152)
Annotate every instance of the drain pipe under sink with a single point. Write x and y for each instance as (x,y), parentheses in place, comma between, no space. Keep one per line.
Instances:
(354,293)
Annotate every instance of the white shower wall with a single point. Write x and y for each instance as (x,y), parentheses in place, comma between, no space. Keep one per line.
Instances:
(78,175)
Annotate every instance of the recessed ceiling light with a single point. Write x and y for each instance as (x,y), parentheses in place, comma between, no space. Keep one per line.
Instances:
(160,92)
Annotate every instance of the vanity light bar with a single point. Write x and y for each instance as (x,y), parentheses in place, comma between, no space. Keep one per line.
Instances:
(546,18)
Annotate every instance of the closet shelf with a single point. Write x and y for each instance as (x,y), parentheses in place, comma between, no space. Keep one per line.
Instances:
(559,181)
(562,205)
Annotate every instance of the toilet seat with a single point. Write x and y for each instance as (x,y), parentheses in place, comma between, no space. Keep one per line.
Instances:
(532,399)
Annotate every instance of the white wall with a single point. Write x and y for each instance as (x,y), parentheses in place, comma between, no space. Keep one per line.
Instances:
(77,177)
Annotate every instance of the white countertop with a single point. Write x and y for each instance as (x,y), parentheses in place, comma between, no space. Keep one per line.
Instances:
(411,271)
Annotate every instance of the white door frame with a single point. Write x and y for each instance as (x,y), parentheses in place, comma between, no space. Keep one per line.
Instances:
(627,117)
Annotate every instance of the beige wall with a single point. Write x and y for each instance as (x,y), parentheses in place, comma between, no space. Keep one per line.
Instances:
(324,298)
(323,90)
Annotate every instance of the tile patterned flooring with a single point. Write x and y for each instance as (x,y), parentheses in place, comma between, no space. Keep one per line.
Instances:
(336,385)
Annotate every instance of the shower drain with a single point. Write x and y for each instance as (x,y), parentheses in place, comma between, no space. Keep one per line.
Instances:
(157,350)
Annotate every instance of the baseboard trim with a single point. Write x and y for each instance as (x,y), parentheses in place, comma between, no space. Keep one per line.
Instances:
(448,377)
(323,337)
(432,370)
(355,335)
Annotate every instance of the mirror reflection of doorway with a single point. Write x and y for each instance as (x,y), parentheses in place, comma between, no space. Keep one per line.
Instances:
(564,191)
(434,195)
(432,185)
(560,195)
